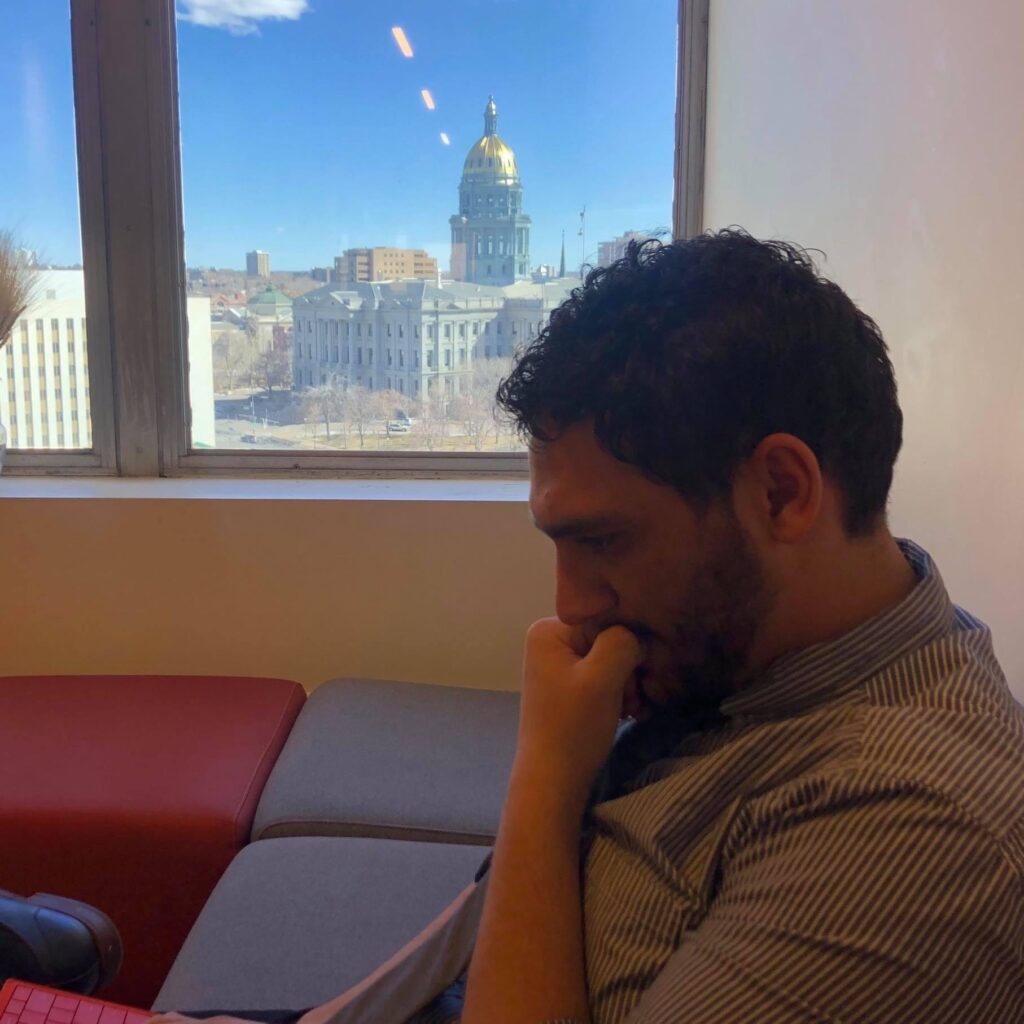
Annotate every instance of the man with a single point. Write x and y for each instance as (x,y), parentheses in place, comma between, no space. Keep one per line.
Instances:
(713,431)
(816,812)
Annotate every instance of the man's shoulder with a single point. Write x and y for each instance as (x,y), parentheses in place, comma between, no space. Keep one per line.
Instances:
(943,717)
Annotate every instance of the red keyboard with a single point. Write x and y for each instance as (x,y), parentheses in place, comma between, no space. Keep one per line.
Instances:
(23,1003)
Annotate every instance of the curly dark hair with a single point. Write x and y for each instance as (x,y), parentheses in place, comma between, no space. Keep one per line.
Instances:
(687,355)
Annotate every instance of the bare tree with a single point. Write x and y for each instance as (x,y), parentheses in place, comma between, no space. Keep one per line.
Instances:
(254,343)
(272,369)
(474,415)
(274,363)
(327,402)
(230,354)
(389,404)
(475,407)
(432,427)
(361,406)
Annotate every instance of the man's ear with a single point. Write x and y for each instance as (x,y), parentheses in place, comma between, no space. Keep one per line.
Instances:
(787,487)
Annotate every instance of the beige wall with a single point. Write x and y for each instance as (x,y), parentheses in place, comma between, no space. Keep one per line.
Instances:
(307,590)
(889,134)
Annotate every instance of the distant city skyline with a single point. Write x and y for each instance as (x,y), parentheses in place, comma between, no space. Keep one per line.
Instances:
(310,135)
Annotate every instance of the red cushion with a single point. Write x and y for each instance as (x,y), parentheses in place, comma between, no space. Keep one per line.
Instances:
(133,793)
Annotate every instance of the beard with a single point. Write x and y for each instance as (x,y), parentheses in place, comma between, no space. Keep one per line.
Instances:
(713,624)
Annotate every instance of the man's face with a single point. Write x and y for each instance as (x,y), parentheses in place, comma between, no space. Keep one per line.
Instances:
(634,553)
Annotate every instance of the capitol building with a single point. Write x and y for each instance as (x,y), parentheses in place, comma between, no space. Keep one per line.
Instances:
(423,338)
(490,233)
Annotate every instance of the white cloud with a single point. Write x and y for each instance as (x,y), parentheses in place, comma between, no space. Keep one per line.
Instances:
(240,17)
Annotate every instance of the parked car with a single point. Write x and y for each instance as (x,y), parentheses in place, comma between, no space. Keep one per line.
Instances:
(398,427)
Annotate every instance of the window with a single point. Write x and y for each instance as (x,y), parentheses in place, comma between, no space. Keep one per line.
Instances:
(447,358)
(223,209)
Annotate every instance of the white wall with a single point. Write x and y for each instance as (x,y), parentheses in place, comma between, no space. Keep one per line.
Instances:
(200,372)
(890,133)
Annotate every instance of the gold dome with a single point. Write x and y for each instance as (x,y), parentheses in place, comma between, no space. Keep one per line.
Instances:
(491,156)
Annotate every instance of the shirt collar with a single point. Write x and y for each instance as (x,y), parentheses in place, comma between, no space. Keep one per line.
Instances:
(827,670)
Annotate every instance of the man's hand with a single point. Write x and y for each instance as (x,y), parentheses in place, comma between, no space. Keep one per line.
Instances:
(571,701)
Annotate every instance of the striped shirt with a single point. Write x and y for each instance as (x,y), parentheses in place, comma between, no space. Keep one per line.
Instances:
(843,843)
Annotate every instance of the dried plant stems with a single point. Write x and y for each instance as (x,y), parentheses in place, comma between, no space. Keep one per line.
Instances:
(18,280)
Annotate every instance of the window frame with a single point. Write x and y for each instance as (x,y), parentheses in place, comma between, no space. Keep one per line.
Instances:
(124,59)
(101,458)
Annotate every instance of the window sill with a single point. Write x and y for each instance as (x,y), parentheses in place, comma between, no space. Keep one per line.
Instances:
(298,489)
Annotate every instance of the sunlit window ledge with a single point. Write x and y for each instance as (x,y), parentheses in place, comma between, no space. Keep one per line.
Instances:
(298,489)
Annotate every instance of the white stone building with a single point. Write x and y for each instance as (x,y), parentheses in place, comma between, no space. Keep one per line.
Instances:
(413,336)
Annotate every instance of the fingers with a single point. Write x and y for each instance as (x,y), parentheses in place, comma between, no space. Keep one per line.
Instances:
(552,634)
(615,655)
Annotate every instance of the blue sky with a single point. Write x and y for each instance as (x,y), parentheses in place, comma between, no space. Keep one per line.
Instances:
(306,134)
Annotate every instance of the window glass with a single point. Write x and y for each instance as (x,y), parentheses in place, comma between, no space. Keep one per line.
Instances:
(42,235)
(468,180)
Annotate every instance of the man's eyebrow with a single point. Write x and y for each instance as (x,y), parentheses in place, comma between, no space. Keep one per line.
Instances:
(580,526)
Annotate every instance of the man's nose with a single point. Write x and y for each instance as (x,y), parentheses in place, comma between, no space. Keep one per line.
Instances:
(581,597)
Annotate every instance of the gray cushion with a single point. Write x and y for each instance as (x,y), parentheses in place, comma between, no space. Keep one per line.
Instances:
(294,922)
(399,760)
